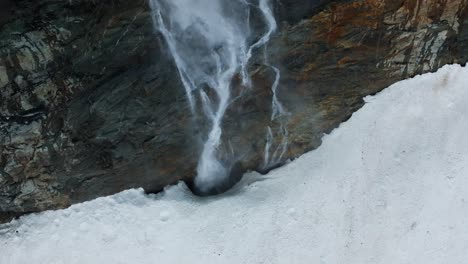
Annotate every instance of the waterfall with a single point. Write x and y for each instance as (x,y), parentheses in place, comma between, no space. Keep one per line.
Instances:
(209,42)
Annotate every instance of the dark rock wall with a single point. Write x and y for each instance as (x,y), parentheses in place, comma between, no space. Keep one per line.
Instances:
(90,102)
(86,95)
(351,49)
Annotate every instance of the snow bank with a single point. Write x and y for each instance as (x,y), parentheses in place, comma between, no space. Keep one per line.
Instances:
(388,186)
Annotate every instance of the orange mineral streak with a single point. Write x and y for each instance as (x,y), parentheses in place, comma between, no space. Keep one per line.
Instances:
(339,18)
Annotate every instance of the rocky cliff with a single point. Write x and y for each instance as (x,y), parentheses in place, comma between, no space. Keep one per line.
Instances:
(90,103)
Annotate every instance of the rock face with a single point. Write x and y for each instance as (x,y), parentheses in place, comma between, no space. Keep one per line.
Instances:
(90,102)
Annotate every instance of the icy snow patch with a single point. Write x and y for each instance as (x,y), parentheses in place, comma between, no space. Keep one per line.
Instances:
(388,186)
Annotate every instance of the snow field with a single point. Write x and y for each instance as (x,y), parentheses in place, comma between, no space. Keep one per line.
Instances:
(388,186)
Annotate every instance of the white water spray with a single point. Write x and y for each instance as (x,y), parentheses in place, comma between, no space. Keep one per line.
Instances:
(208,40)
(278,110)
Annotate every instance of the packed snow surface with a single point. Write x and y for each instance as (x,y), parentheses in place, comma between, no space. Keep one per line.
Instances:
(388,186)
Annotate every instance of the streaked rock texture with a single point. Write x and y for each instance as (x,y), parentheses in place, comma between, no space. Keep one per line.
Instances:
(90,103)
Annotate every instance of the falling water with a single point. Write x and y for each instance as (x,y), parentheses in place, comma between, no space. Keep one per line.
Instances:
(209,41)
